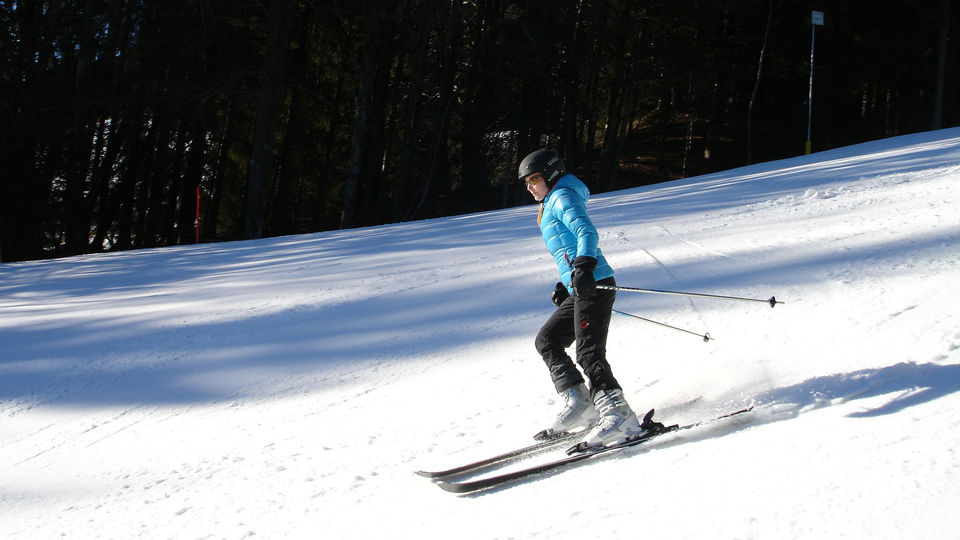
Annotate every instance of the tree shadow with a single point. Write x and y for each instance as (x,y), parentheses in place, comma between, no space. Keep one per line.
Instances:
(913,383)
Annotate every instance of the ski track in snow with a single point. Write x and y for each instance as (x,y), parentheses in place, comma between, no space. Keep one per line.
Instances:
(289,387)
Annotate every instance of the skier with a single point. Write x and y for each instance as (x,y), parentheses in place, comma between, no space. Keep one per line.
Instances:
(583,312)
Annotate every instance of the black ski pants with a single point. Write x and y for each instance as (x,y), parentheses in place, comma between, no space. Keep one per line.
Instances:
(585,321)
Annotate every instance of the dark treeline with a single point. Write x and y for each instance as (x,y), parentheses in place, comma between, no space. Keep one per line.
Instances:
(298,116)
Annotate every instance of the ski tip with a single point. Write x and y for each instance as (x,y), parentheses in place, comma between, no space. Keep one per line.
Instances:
(735,413)
(426,474)
(454,487)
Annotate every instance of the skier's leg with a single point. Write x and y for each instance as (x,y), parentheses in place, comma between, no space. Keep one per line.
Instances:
(554,337)
(591,325)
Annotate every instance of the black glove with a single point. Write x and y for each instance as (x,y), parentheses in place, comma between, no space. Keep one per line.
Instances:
(582,280)
(559,294)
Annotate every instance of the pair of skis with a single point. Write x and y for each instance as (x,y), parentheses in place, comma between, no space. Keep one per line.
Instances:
(446,480)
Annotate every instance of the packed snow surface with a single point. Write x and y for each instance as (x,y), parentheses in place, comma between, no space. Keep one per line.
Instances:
(290,387)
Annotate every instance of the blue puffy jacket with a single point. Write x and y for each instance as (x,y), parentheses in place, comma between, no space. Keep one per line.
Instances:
(567,229)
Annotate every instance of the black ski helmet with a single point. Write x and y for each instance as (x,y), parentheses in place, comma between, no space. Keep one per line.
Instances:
(545,162)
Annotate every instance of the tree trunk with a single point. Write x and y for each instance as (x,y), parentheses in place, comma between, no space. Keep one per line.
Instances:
(609,157)
(210,223)
(756,84)
(942,41)
(361,124)
(76,207)
(260,166)
(412,115)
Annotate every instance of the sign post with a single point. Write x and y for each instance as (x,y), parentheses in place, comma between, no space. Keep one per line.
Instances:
(196,221)
(816,19)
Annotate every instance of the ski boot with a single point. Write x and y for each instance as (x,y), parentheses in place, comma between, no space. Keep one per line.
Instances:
(618,422)
(577,412)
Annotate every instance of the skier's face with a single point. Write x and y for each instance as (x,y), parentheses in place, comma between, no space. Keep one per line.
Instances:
(537,186)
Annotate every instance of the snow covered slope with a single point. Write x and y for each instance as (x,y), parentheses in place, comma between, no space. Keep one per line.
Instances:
(289,387)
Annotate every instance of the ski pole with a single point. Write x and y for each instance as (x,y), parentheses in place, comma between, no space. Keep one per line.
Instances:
(772,300)
(706,337)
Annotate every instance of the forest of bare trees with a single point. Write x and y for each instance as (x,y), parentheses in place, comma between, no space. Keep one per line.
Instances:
(294,116)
